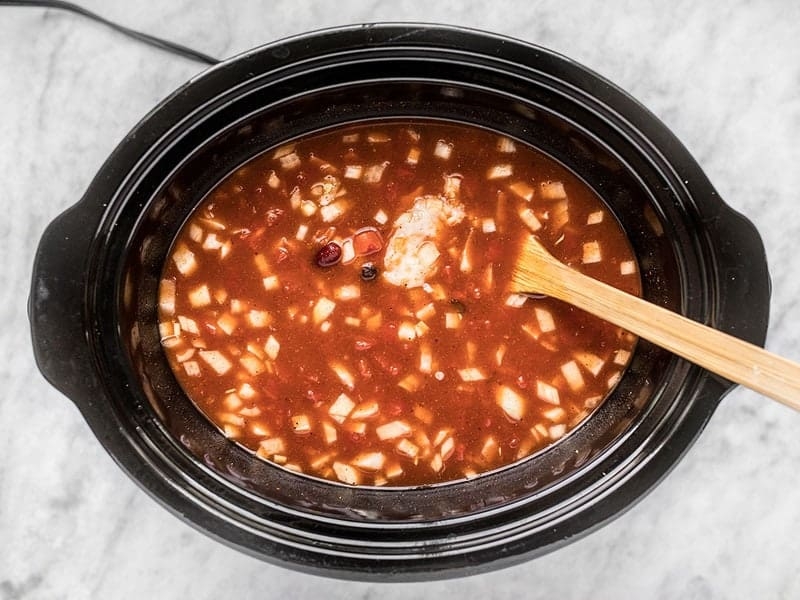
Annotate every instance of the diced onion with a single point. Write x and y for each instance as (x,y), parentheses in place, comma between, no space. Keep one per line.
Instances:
(246,391)
(555,414)
(591,253)
(166,296)
(572,374)
(370,461)
(471,374)
(499,172)
(195,233)
(591,362)
(184,355)
(200,296)
(547,392)
(595,217)
(447,449)
(192,368)
(621,357)
(378,137)
(500,354)
(308,208)
(408,448)
(289,161)
(300,424)
(426,312)
(374,173)
(212,242)
(393,471)
(452,320)
(365,410)
(381,217)
(189,325)
(627,267)
(545,320)
(259,318)
(489,448)
(353,171)
(329,433)
(530,220)
(272,347)
(252,364)
(323,309)
(553,190)
(443,150)
(347,292)
(341,408)
(515,300)
(425,359)
(344,375)
(346,474)
(406,331)
(522,190)
(393,430)
(436,463)
(512,404)
(184,260)
(334,210)
(505,145)
(216,360)
(423,413)
(227,323)
(410,383)
(273,180)
(271,283)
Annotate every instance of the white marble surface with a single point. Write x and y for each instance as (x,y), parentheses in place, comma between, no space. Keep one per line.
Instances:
(726,79)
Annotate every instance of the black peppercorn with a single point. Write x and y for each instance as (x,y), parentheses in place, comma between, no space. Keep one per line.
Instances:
(369,271)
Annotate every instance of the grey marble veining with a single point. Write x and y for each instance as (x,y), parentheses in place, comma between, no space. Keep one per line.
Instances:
(724,77)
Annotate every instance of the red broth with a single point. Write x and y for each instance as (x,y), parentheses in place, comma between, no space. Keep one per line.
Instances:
(339,305)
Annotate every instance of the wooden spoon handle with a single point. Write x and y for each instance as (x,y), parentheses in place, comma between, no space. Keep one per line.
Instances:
(734,359)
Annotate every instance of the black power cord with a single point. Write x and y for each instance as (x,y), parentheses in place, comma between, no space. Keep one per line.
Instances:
(132,33)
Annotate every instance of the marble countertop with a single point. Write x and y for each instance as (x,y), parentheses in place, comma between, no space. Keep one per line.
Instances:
(724,77)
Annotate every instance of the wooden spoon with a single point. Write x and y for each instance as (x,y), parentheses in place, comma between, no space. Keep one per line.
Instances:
(537,271)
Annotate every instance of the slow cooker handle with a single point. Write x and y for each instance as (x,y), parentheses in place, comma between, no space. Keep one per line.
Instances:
(56,305)
(742,274)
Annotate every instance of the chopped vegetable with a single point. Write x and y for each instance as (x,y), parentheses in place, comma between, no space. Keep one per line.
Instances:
(591,253)
(530,220)
(341,408)
(595,217)
(512,404)
(346,473)
(505,145)
(627,267)
(184,260)
(323,309)
(553,190)
(200,296)
(443,150)
(301,424)
(499,172)
(547,392)
(166,297)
